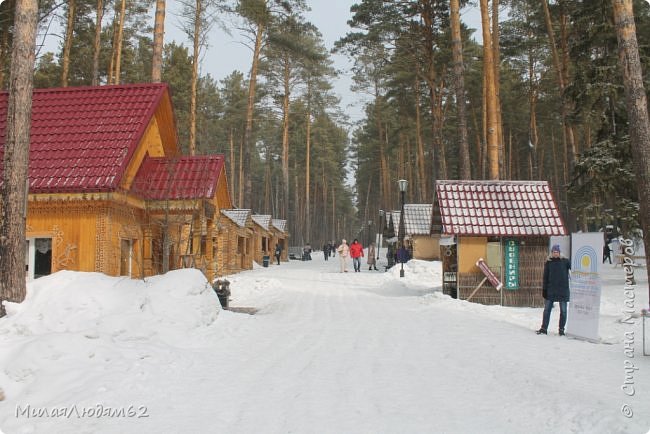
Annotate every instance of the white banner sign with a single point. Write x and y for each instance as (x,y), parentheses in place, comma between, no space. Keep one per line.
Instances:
(584,308)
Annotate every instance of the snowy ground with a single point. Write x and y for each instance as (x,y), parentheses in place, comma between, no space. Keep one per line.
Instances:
(327,352)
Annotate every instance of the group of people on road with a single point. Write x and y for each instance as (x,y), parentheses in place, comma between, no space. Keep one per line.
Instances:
(355,251)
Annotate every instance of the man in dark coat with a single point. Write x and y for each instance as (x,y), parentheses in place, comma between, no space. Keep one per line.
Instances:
(555,288)
(607,253)
(278,253)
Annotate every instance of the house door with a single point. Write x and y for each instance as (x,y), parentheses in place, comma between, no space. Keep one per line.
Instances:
(126,257)
(39,257)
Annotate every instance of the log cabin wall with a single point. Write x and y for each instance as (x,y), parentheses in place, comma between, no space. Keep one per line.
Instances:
(72,228)
(87,235)
(121,225)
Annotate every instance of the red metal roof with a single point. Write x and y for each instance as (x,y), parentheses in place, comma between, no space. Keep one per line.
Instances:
(82,138)
(178,178)
(498,208)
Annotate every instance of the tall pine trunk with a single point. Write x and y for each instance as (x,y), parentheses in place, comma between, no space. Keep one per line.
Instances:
(438,159)
(422,173)
(285,138)
(307,164)
(195,76)
(496,64)
(464,166)
(492,130)
(250,111)
(562,85)
(67,43)
(118,32)
(231,165)
(158,42)
(97,44)
(16,155)
(4,54)
(637,109)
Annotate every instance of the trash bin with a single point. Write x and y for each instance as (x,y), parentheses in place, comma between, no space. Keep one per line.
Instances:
(266,260)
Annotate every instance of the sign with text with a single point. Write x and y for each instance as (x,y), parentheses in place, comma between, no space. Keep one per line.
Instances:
(511,260)
(491,277)
(584,308)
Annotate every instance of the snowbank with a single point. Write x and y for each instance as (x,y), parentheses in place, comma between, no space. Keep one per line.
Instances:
(76,326)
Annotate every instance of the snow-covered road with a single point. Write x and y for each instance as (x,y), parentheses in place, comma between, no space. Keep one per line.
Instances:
(367,352)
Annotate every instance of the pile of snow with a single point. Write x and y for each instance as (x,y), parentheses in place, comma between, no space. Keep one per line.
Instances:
(118,308)
(73,327)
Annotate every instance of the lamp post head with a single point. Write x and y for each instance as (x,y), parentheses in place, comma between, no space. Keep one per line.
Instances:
(403,185)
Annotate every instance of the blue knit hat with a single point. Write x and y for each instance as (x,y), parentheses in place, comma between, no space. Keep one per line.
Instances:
(555,248)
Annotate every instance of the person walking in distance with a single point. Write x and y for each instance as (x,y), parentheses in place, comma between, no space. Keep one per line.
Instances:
(356,252)
(278,253)
(326,251)
(343,250)
(372,261)
(555,288)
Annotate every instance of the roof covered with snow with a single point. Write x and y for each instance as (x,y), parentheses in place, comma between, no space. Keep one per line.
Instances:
(498,208)
(238,216)
(417,218)
(264,220)
(279,224)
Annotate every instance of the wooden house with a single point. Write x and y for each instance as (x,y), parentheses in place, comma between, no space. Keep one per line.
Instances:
(507,224)
(108,189)
(280,237)
(417,228)
(262,236)
(236,246)
(183,197)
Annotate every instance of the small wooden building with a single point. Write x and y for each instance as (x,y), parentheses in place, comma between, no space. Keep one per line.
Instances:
(108,189)
(183,197)
(506,223)
(280,237)
(262,236)
(417,227)
(236,246)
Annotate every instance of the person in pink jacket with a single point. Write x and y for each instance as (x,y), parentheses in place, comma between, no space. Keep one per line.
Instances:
(343,251)
(356,252)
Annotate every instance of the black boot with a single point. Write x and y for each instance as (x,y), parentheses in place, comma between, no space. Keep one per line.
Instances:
(541,332)
(561,332)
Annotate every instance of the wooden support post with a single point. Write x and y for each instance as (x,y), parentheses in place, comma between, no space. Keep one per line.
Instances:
(476,289)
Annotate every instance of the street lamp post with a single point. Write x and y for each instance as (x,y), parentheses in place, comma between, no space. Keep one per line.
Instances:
(381,231)
(403,185)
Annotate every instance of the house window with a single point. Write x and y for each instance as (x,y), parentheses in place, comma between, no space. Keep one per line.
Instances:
(38,257)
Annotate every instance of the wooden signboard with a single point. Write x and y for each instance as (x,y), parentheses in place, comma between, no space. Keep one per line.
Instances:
(494,280)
